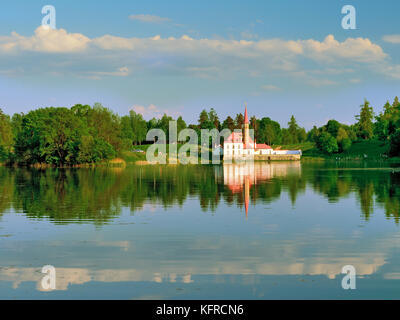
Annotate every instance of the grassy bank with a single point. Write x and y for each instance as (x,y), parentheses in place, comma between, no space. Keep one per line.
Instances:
(361,150)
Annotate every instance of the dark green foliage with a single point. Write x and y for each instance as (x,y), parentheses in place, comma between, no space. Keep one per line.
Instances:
(344,145)
(332,127)
(365,122)
(332,138)
(313,134)
(228,123)
(268,131)
(6,136)
(327,143)
(294,133)
(239,121)
(293,130)
(62,136)
(133,128)
(395,143)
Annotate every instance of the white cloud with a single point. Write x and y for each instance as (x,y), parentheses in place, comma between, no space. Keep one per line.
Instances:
(146,111)
(394,38)
(48,40)
(148,18)
(45,40)
(153,111)
(357,49)
(390,71)
(186,56)
(120,72)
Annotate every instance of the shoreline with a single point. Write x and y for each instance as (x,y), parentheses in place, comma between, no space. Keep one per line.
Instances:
(123,164)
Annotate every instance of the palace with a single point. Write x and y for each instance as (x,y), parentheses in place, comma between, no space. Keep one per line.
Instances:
(238,147)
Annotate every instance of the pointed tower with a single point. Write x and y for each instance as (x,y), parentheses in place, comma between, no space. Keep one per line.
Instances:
(246,127)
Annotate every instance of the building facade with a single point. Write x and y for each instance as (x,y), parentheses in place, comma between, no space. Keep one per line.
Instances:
(240,146)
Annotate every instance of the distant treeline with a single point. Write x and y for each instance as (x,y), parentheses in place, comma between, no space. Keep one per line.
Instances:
(85,134)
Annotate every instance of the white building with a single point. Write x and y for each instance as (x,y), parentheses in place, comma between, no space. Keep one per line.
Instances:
(236,146)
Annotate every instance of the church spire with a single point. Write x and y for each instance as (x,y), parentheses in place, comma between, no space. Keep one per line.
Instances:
(246,117)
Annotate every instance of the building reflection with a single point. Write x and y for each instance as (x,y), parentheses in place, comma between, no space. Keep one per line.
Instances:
(242,177)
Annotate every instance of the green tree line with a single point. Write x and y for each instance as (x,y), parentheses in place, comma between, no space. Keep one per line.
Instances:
(335,137)
(90,134)
(70,136)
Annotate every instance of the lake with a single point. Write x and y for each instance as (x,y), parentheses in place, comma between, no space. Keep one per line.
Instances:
(239,231)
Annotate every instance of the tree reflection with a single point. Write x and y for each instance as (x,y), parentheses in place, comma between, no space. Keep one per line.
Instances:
(99,194)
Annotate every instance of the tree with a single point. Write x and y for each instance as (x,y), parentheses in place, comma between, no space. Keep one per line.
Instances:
(6,136)
(181,124)
(228,124)
(313,134)
(301,135)
(327,143)
(92,150)
(268,131)
(102,123)
(396,103)
(388,108)
(203,119)
(126,129)
(49,135)
(62,136)
(139,127)
(292,130)
(332,127)
(365,124)
(133,128)
(343,140)
(239,121)
(269,134)
(253,123)
(395,143)
(163,124)
(213,118)
(286,137)
(341,134)
(344,145)
(381,128)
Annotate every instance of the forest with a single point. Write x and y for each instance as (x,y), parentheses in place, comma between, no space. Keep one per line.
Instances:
(86,134)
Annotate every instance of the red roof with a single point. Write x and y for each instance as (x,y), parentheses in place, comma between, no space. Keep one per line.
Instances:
(262,146)
(246,118)
(237,137)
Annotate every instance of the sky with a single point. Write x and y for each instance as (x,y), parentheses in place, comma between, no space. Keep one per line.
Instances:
(178,57)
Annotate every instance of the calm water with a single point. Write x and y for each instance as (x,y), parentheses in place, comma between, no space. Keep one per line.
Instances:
(267,231)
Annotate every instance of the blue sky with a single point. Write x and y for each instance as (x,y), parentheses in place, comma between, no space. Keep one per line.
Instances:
(281,57)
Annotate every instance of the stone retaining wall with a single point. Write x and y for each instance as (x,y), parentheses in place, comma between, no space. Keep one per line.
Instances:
(280,157)
(266,157)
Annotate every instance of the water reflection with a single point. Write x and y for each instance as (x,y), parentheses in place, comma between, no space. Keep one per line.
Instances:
(240,178)
(181,231)
(98,195)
